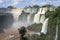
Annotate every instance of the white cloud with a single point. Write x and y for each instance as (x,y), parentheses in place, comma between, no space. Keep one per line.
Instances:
(1,1)
(15,2)
(44,3)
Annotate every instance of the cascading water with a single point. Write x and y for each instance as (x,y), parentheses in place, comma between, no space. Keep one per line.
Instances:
(40,11)
(42,19)
(44,27)
(16,13)
(29,18)
(43,16)
(32,17)
(56,36)
(44,10)
(32,32)
(37,18)
(23,19)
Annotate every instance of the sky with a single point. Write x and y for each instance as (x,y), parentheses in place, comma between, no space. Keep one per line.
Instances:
(23,3)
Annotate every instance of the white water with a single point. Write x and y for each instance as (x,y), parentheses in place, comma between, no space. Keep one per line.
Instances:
(32,17)
(40,11)
(16,13)
(29,18)
(56,36)
(44,10)
(44,27)
(37,18)
(31,33)
(23,19)
(42,19)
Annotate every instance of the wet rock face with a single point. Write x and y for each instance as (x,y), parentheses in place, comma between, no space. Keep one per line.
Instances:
(5,21)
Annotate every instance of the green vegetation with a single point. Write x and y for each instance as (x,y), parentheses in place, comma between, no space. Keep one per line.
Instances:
(47,5)
(10,7)
(35,27)
(34,37)
(54,19)
(54,16)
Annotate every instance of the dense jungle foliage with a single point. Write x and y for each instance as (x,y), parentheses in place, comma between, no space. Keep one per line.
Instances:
(54,19)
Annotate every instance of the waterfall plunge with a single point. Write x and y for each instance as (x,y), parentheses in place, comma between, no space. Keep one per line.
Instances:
(44,27)
(44,10)
(23,19)
(42,19)
(40,11)
(37,18)
(27,19)
(30,18)
(56,32)
(16,13)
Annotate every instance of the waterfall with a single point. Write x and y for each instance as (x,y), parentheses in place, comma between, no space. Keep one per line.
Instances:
(29,18)
(16,13)
(44,27)
(32,17)
(56,36)
(32,32)
(37,18)
(42,19)
(23,19)
(44,10)
(40,11)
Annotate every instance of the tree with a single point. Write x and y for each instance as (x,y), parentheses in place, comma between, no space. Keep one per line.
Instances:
(46,5)
(36,6)
(10,7)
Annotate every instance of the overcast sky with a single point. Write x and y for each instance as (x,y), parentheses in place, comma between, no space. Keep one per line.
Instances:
(23,3)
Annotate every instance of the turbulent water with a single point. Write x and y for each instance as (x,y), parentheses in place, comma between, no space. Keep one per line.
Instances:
(25,19)
(38,33)
(40,11)
(44,27)
(30,18)
(42,19)
(44,10)
(56,36)
(37,18)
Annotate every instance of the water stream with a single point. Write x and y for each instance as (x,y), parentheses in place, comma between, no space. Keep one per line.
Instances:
(56,36)
(44,27)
